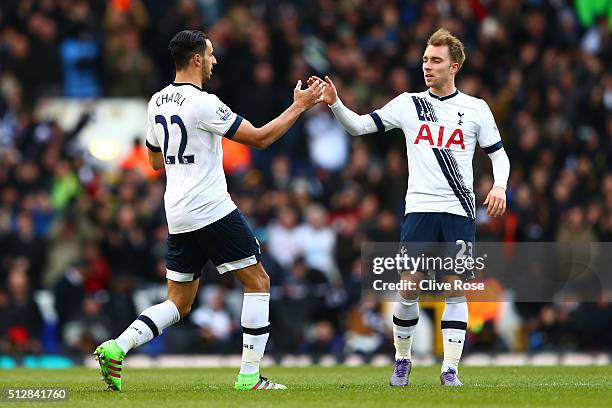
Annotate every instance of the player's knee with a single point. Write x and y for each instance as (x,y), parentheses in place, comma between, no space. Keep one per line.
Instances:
(254,279)
(263,282)
(410,295)
(260,282)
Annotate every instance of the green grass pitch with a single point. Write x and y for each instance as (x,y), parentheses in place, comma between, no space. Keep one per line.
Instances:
(340,386)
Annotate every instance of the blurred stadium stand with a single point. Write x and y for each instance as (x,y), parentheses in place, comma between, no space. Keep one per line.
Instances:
(82,228)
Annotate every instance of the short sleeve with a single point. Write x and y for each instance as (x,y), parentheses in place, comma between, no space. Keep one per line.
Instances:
(488,134)
(151,140)
(216,117)
(388,117)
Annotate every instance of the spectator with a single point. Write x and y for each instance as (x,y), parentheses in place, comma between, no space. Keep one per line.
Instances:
(215,326)
(20,320)
(283,238)
(328,143)
(318,241)
(86,329)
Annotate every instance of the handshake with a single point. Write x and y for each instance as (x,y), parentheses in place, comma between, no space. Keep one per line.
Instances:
(318,90)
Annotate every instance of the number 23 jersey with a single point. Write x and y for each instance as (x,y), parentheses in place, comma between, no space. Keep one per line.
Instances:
(441,135)
(186,125)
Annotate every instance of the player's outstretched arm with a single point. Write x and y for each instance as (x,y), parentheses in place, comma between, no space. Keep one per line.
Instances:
(266,135)
(352,122)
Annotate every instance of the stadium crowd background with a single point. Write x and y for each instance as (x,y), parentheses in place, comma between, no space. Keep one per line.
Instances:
(92,237)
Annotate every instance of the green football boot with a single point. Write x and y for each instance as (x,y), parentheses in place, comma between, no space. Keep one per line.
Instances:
(256,382)
(110,356)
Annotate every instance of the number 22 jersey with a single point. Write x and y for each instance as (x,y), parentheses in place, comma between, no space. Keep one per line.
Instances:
(186,125)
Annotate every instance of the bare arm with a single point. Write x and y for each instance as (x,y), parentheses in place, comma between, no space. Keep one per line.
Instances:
(266,135)
(156,159)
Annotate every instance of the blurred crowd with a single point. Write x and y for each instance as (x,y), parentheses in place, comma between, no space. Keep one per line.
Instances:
(93,238)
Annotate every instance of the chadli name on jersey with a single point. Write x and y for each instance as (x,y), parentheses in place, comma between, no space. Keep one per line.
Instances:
(173,97)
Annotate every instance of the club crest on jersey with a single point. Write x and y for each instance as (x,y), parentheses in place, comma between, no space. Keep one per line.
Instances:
(460,118)
(456,137)
(224,112)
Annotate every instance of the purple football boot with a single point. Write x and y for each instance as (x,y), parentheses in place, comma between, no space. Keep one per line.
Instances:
(401,371)
(449,377)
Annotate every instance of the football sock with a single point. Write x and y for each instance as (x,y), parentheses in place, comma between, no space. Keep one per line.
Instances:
(405,319)
(151,322)
(255,329)
(454,325)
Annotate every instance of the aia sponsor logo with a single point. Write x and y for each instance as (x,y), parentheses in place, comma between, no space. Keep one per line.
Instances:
(442,139)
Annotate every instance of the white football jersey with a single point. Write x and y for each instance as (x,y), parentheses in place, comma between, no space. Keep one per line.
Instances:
(186,124)
(441,135)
